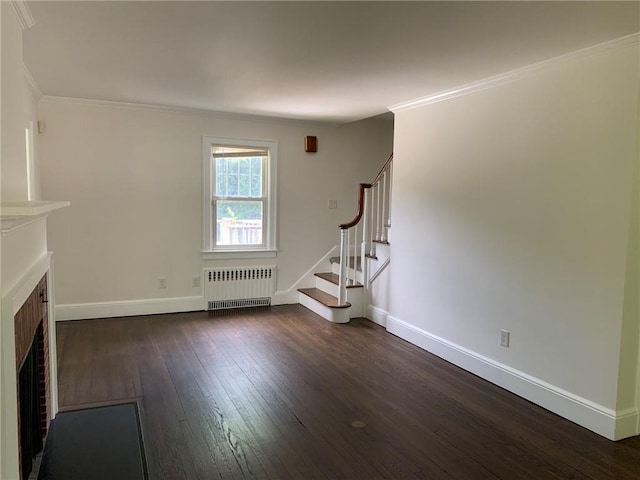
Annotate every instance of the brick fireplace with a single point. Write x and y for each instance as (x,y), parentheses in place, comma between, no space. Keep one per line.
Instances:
(32,377)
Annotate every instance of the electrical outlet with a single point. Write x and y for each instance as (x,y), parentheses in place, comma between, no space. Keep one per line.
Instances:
(195,282)
(331,204)
(505,336)
(162,282)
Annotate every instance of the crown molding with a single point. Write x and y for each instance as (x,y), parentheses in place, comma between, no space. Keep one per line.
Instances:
(25,19)
(184,111)
(519,73)
(31,81)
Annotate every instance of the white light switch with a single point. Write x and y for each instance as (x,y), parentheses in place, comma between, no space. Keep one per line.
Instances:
(332,204)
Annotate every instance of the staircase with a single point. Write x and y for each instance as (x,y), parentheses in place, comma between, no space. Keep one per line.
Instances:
(341,294)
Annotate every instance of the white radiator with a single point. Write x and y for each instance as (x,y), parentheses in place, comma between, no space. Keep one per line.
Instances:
(237,287)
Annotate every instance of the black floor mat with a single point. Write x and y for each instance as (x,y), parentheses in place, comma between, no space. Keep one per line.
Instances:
(95,444)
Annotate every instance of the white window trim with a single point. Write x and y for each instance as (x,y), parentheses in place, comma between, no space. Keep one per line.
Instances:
(269,250)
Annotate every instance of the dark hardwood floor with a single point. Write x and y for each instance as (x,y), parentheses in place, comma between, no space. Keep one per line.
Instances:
(281,393)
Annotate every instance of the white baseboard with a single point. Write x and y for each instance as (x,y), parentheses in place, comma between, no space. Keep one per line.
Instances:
(126,308)
(377,315)
(129,308)
(286,297)
(609,423)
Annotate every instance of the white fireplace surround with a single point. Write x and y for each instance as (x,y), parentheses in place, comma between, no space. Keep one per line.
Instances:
(25,260)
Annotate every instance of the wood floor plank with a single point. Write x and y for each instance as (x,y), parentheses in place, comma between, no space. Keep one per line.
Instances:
(330,408)
(226,342)
(273,393)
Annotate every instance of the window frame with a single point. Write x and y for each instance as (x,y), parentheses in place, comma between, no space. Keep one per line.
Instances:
(212,251)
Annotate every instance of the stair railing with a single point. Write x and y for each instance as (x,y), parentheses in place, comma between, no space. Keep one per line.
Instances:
(374,216)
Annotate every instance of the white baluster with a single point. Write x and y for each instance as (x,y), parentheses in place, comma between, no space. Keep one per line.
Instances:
(378,212)
(349,273)
(355,254)
(365,267)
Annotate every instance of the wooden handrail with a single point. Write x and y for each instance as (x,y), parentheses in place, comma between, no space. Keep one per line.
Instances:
(363,187)
(384,167)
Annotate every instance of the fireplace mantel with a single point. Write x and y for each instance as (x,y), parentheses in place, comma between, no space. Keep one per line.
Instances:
(16,214)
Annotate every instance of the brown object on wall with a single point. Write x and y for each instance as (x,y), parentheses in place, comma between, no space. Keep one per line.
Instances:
(310,144)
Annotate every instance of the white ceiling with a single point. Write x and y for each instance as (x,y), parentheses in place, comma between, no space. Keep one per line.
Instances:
(326,61)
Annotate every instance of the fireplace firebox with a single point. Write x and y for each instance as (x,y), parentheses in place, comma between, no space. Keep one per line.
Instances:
(33,382)
(31,396)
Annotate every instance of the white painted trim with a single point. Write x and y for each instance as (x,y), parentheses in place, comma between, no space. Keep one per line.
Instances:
(307,279)
(25,19)
(270,213)
(11,224)
(12,301)
(330,287)
(626,423)
(609,423)
(238,254)
(519,73)
(185,111)
(20,291)
(308,275)
(53,342)
(15,215)
(380,269)
(127,308)
(377,315)
(285,297)
(31,81)
(31,207)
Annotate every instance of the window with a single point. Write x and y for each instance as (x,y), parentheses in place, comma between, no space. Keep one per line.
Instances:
(239,210)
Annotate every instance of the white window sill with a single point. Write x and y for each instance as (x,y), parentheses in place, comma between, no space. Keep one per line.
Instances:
(233,254)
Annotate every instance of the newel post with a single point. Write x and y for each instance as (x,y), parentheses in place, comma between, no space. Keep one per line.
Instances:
(344,251)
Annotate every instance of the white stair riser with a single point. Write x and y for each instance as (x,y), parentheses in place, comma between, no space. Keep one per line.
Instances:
(337,315)
(354,295)
(335,268)
(334,315)
(327,286)
(355,298)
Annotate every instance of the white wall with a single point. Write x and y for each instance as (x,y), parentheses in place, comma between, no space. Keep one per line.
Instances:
(627,387)
(3,407)
(31,99)
(513,210)
(379,289)
(23,252)
(134,178)
(13,181)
